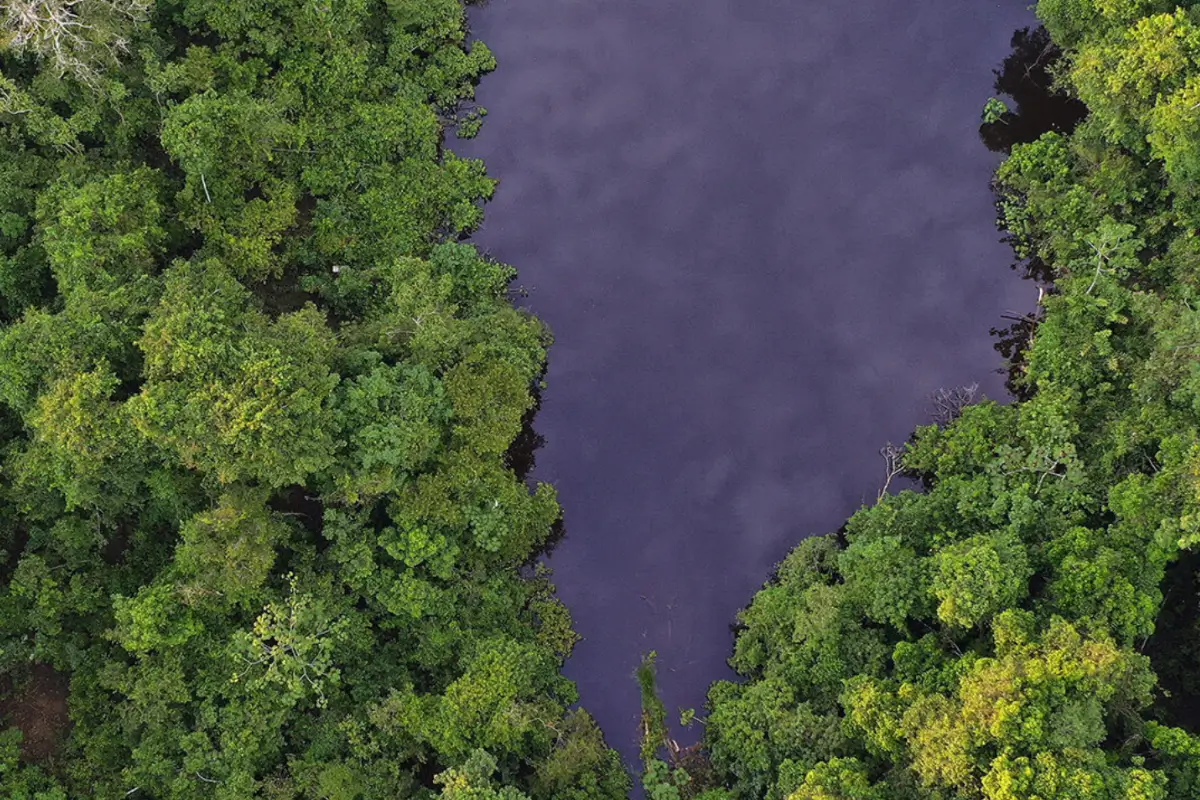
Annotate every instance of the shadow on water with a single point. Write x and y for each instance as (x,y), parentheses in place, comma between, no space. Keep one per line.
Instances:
(1026,76)
(1174,649)
(1012,343)
(521,458)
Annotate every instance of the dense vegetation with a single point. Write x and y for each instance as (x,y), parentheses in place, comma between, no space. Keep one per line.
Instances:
(264,524)
(1028,625)
(262,518)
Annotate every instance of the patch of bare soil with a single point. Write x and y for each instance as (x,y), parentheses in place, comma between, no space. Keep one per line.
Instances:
(38,707)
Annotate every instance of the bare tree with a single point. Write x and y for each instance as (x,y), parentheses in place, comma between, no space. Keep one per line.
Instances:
(76,37)
(948,404)
(893,458)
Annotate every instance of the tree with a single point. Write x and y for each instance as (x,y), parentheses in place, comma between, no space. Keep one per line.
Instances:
(106,232)
(256,406)
(77,37)
(228,552)
(393,420)
(837,779)
(82,445)
(232,394)
(979,577)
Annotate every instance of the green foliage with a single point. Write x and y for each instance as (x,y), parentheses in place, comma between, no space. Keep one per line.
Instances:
(473,781)
(979,577)
(257,400)
(394,421)
(227,553)
(104,233)
(231,393)
(993,111)
(654,713)
(81,444)
(987,637)
(892,574)
(837,779)
(580,767)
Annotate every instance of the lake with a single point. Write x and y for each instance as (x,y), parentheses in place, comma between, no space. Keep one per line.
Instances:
(762,234)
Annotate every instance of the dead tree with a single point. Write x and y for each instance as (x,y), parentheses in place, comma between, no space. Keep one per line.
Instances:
(893,458)
(75,37)
(948,404)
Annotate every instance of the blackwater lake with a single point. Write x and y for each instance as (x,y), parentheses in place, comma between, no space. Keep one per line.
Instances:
(762,234)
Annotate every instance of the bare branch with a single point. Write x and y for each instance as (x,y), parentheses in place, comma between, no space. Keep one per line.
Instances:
(948,404)
(76,37)
(1101,258)
(893,457)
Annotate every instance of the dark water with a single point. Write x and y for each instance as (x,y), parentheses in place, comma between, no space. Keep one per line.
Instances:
(763,235)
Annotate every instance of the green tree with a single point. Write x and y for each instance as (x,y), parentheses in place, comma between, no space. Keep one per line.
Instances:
(231,393)
(256,403)
(979,577)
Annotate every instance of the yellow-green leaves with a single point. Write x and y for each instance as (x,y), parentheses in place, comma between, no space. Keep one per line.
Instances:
(155,619)
(82,444)
(225,555)
(837,779)
(228,391)
(291,647)
(979,577)
(1032,716)
(105,232)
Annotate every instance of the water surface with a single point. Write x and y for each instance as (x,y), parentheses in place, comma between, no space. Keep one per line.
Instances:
(762,234)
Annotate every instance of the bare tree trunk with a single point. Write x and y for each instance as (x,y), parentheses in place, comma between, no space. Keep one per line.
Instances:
(893,457)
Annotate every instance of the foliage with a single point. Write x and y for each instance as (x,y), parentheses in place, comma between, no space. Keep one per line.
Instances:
(75,38)
(1026,626)
(256,400)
